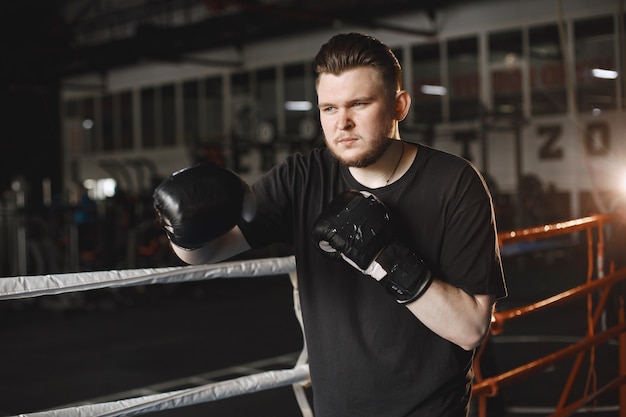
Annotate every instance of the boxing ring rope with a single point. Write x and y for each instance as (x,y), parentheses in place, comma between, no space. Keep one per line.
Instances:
(174,399)
(52,284)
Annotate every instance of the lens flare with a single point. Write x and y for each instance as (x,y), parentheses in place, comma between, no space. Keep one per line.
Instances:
(622,182)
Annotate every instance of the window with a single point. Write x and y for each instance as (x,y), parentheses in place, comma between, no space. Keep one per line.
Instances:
(301,115)
(191,110)
(596,69)
(214,109)
(168,114)
(427,87)
(547,75)
(126,119)
(240,83)
(148,112)
(242,105)
(79,124)
(505,62)
(108,123)
(89,124)
(464,80)
(265,128)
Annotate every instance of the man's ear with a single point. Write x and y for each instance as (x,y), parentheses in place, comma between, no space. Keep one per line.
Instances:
(403,104)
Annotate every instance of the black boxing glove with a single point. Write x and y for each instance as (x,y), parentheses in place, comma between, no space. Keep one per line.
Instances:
(356,227)
(197,204)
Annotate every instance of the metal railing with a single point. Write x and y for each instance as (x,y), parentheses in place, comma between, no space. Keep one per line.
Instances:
(597,289)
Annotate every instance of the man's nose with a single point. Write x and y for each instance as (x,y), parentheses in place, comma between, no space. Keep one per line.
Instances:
(344,120)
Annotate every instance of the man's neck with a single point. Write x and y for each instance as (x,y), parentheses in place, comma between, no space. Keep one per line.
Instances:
(390,167)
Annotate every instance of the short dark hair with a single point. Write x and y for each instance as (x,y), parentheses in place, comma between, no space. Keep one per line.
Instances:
(347,51)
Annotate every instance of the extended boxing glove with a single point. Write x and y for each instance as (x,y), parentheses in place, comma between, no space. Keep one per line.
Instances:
(356,227)
(197,204)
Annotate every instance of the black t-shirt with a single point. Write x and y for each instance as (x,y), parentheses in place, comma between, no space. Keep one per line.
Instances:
(368,355)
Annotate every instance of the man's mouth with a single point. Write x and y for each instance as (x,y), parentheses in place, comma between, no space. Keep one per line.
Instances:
(347,139)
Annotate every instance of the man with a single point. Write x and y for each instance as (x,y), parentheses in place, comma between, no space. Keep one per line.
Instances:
(395,244)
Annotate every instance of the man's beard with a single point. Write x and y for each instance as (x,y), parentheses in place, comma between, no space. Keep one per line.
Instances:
(368,158)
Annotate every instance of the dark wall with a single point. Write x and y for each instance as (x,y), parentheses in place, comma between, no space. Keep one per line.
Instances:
(34,43)
(31,143)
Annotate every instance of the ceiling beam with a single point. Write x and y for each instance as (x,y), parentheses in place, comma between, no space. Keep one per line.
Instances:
(335,19)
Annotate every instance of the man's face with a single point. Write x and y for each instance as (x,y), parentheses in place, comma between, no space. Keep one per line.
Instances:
(356,114)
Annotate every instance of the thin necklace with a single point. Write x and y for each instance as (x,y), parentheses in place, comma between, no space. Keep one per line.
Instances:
(397,165)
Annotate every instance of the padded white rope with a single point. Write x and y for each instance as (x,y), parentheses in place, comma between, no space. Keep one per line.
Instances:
(175,399)
(38,285)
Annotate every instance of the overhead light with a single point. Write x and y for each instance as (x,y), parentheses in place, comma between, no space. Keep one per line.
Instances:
(510,59)
(298,105)
(434,90)
(604,74)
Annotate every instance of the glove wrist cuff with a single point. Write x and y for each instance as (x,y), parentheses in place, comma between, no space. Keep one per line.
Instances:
(407,277)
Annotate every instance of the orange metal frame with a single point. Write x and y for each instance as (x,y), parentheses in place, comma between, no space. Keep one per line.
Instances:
(484,388)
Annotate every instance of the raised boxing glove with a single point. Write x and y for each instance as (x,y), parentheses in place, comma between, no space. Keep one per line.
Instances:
(356,227)
(197,204)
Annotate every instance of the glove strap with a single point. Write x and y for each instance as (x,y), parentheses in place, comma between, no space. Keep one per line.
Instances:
(407,276)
